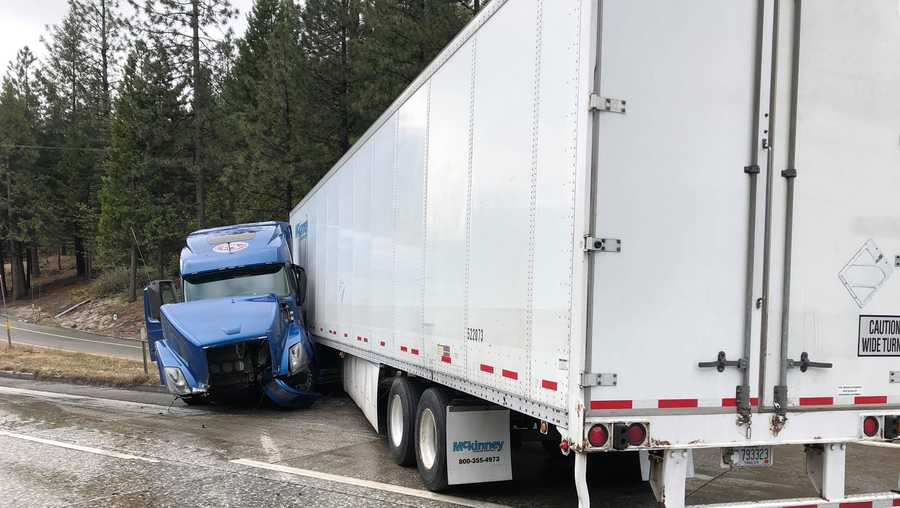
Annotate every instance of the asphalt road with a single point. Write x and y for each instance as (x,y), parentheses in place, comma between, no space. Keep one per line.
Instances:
(72,340)
(62,445)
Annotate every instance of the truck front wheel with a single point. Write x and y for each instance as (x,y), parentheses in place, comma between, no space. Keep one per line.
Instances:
(431,438)
(401,416)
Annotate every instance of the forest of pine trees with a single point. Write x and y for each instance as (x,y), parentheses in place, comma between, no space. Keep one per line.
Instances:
(147,119)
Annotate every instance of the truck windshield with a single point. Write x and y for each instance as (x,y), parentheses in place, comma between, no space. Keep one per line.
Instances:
(257,280)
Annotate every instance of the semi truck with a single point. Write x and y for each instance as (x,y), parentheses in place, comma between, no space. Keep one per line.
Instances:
(642,227)
(238,333)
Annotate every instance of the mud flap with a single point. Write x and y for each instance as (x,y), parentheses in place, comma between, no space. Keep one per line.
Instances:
(284,395)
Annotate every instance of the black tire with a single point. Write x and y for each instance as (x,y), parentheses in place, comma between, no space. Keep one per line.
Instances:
(431,417)
(194,400)
(406,393)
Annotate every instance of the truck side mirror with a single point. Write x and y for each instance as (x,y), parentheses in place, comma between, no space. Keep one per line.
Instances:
(158,293)
(300,273)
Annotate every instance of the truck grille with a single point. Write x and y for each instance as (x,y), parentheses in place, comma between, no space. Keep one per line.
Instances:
(237,364)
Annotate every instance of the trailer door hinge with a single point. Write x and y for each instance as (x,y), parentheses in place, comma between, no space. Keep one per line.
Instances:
(589,379)
(607,104)
(592,244)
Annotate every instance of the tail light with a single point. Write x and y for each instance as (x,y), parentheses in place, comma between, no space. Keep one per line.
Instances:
(891,427)
(870,426)
(598,435)
(625,435)
(636,434)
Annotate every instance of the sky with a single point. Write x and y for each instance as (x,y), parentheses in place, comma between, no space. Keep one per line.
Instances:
(22,22)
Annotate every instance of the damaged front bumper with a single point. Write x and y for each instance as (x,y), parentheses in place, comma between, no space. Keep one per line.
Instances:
(180,379)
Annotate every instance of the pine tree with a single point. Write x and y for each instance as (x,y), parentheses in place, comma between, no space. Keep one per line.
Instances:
(187,29)
(23,219)
(144,186)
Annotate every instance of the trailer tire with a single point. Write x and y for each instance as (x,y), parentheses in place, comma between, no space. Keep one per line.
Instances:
(431,438)
(400,417)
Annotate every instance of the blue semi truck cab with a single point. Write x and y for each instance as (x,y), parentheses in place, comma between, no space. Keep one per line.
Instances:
(239,329)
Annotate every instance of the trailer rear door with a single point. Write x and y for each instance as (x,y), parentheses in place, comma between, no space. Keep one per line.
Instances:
(844,276)
(671,186)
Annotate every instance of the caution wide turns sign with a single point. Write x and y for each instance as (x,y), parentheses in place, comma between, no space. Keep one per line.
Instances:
(879,336)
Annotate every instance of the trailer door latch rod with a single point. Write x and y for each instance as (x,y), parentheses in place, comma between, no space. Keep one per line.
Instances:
(805,364)
(722,362)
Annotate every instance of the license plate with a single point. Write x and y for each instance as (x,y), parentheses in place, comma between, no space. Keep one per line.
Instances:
(748,456)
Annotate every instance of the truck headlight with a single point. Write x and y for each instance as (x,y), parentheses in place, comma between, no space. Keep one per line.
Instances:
(297,359)
(176,382)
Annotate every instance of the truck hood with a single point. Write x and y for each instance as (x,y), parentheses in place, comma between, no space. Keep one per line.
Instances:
(223,321)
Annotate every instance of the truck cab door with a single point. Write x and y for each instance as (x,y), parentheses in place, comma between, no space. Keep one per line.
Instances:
(156,294)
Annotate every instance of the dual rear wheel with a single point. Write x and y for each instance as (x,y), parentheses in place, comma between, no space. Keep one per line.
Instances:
(416,421)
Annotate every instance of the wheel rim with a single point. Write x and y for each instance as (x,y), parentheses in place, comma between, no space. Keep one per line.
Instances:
(427,439)
(396,421)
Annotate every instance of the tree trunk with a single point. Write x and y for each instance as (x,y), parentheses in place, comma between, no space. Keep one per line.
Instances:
(3,282)
(345,77)
(20,288)
(29,266)
(198,110)
(159,263)
(36,260)
(132,276)
(104,58)
(80,262)
(59,258)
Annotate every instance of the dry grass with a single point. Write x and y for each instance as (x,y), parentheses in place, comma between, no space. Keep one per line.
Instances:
(46,363)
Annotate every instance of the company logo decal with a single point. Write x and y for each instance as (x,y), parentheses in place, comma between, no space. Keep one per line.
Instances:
(302,229)
(477,446)
(230,247)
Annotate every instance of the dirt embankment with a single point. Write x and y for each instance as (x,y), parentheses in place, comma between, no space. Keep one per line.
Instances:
(58,289)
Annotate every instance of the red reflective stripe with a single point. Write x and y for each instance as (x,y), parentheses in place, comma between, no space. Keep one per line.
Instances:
(816,401)
(404,349)
(550,385)
(415,351)
(896,502)
(611,404)
(874,399)
(732,402)
(510,374)
(856,504)
(365,339)
(381,343)
(358,338)
(345,334)
(487,368)
(446,359)
(677,403)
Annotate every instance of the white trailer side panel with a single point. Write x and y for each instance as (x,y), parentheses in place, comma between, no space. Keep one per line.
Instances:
(445,235)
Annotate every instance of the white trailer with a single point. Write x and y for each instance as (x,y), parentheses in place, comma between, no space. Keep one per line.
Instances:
(655,226)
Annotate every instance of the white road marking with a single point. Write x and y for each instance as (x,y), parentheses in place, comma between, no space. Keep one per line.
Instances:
(73,338)
(70,446)
(385,487)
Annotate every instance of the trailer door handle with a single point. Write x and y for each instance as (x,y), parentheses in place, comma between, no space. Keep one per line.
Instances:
(721,362)
(805,364)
